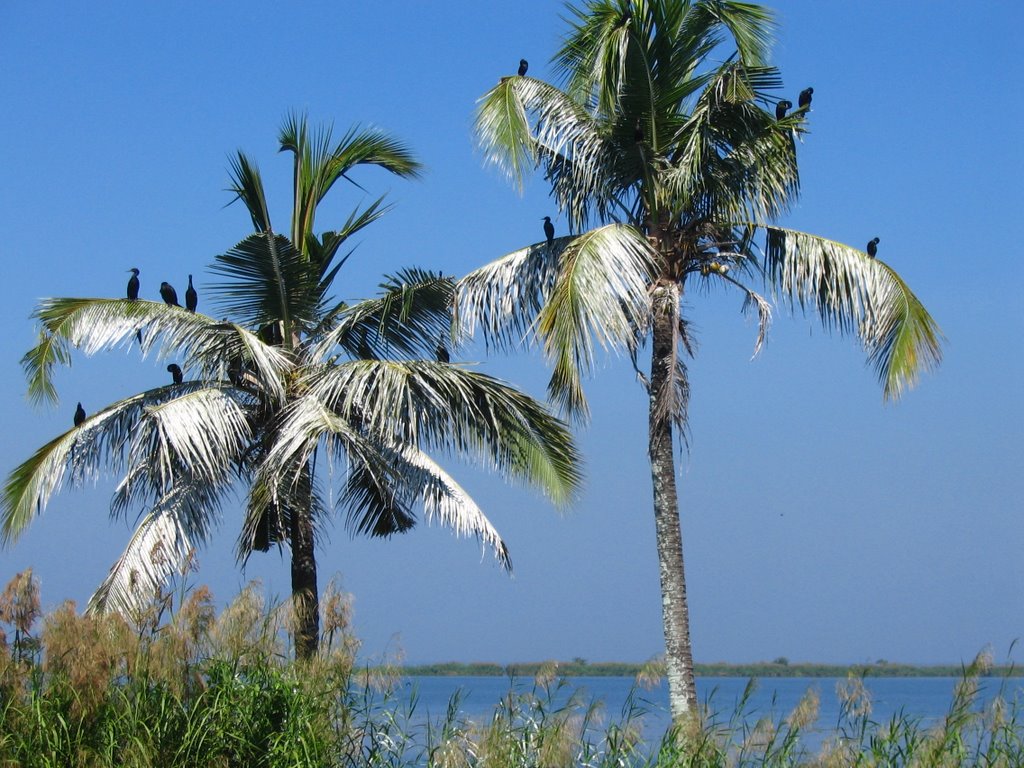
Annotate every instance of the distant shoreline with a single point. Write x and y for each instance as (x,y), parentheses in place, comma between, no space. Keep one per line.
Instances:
(578,668)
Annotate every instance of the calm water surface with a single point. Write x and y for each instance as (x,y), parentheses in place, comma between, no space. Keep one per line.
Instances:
(924,698)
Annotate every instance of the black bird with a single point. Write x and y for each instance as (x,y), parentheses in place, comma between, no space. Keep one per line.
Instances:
(804,102)
(168,294)
(523,66)
(191,297)
(781,107)
(133,285)
(549,230)
(442,353)
(638,131)
(79,415)
(873,247)
(175,373)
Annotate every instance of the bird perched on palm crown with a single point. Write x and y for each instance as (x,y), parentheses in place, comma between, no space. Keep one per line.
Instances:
(175,372)
(549,230)
(79,415)
(781,107)
(441,351)
(133,285)
(804,102)
(191,297)
(523,66)
(873,247)
(168,294)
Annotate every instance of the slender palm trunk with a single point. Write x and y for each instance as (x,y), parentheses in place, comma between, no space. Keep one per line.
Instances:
(305,597)
(675,613)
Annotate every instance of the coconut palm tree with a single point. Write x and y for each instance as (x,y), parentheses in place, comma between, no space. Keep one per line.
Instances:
(295,379)
(665,153)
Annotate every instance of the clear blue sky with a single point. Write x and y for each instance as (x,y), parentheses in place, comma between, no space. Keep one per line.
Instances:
(819,523)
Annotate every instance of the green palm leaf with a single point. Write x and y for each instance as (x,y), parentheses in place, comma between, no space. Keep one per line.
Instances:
(854,293)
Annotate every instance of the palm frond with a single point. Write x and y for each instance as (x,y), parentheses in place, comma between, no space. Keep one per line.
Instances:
(446,407)
(247,184)
(412,313)
(161,438)
(319,162)
(267,280)
(599,298)
(96,325)
(161,547)
(854,293)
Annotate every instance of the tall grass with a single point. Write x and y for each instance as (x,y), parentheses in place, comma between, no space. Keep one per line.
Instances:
(180,685)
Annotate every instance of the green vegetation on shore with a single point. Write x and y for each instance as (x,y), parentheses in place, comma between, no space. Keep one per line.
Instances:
(777,668)
(182,686)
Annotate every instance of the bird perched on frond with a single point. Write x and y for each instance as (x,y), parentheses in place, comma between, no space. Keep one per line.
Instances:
(175,372)
(79,415)
(168,294)
(873,247)
(191,297)
(781,108)
(549,230)
(804,102)
(523,66)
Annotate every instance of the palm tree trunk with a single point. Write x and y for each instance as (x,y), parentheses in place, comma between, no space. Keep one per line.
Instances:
(675,613)
(305,597)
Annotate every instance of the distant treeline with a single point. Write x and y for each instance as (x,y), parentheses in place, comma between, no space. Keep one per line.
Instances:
(779,668)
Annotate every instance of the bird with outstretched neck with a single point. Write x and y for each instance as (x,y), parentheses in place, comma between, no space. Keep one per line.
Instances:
(133,285)
(191,297)
(175,370)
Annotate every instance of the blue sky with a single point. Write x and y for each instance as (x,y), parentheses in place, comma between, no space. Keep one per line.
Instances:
(819,523)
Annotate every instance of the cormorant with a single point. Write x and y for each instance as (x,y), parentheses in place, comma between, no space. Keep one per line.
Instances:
(191,297)
(781,107)
(873,247)
(549,230)
(523,66)
(168,294)
(442,353)
(175,372)
(804,102)
(79,415)
(133,285)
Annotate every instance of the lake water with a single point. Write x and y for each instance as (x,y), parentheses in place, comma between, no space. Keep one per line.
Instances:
(924,698)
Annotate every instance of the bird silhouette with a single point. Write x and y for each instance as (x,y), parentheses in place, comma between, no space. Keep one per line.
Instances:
(873,247)
(191,297)
(442,353)
(168,294)
(781,107)
(175,372)
(804,102)
(133,285)
(549,230)
(523,66)
(79,415)
(638,131)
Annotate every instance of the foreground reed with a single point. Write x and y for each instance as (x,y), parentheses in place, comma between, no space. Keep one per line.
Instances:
(180,685)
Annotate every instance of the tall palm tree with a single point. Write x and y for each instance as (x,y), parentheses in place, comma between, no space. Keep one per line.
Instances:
(665,136)
(295,379)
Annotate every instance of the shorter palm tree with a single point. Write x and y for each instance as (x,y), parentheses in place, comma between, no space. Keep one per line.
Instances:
(297,379)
